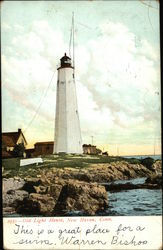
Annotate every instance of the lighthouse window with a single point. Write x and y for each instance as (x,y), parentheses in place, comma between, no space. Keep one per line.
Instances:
(68,61)
(62,82)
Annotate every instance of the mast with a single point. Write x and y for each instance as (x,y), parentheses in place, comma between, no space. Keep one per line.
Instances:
(70,37)
(73,43)
(92,139)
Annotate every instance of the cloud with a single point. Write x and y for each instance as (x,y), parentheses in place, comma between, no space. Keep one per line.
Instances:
(121,76)
(117,77)
(27,72)
(5,26)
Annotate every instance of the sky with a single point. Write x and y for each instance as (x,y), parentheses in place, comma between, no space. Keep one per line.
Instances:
(117,69)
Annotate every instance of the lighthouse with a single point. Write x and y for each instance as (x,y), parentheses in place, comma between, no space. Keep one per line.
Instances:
(67,124)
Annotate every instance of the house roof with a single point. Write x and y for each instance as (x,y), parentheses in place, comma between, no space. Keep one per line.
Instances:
(29,150)
(10,138)
(88,145)
(44,142)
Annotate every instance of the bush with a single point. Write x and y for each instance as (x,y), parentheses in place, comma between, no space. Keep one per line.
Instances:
(147,162)
(133,161)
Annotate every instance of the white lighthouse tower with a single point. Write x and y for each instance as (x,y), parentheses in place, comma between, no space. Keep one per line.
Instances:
(67,125)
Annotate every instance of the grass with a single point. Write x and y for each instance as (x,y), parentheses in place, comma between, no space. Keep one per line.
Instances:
(12,166)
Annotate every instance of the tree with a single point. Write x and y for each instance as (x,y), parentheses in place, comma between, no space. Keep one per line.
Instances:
(19,150)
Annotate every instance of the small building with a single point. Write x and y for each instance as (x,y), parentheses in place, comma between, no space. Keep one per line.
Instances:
(89,149)
(43,148)
(105,153)
(10,140)
(29,152)
(6,154)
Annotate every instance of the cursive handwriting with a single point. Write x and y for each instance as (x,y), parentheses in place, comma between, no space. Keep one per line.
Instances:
(69,231)
(116,240)
(96,230)
(22,230)
(74,241)
(91,235)
(121,228)
(25,241)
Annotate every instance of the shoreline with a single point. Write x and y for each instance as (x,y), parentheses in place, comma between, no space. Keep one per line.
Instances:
(54,191)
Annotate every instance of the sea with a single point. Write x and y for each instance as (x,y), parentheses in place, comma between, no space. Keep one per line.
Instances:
(135,202)
(140,157)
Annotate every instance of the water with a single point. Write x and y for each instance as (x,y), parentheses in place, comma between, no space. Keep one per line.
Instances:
(155,157)
(135,202)
(134,181)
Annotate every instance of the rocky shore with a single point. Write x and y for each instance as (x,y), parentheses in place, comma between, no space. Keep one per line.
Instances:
(57,191)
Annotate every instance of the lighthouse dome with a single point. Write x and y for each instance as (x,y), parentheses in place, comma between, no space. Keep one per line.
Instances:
(65,61)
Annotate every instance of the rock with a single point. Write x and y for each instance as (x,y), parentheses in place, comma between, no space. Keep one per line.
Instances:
(36,204)
(11,184)
(119,170)
(11,191)
(8,210)
(65,196)
(150,183)
(81,196)
(157,166)
(30,183)
(54,191)
(82,176)
(101,172)
(17,178)
(10,199)
(155,179)
(41,189)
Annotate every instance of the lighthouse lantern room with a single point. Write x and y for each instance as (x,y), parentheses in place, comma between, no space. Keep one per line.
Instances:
(65,61)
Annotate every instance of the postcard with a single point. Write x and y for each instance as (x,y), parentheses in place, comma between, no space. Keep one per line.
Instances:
(81,125)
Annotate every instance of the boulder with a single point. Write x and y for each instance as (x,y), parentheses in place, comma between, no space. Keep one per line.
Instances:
(154,179)
(36,204)
(12,193)
(81,196)
(12,196)
(119,170)
(29,184)
(12,184)
(157,166)
(54,191)
(63,197)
